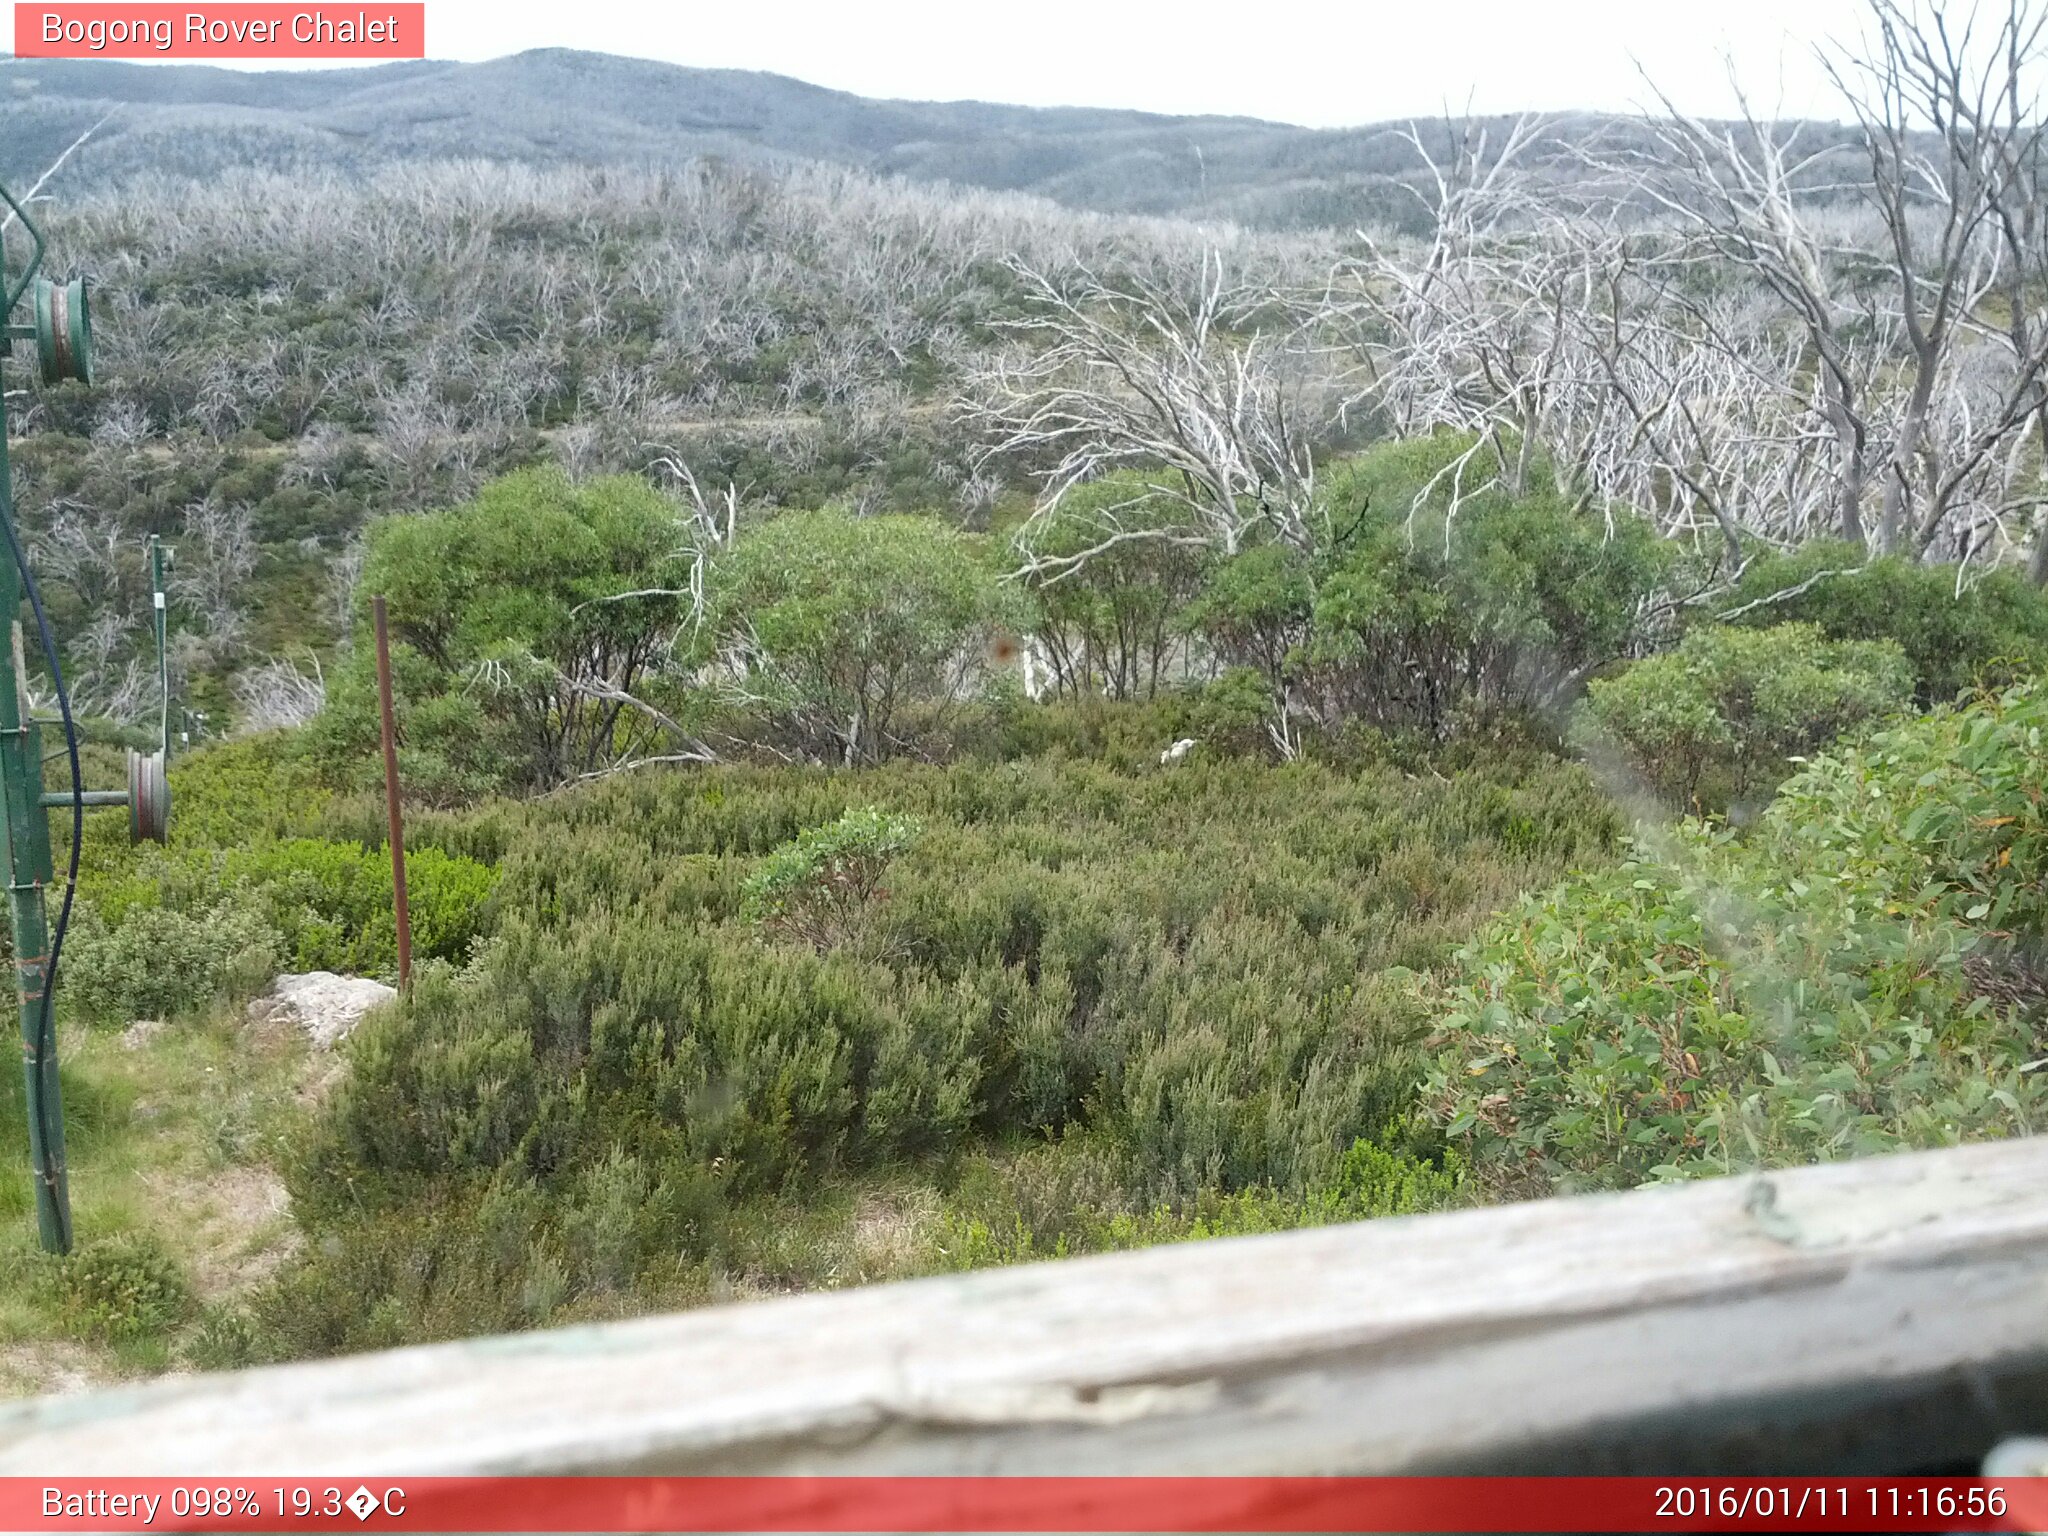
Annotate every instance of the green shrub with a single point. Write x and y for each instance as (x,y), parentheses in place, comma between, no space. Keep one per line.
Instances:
(1840,983)
(519,619)
(820,886)
(1381,1181)
(839,621)
(1713,723)
(1234,713)
(332,902)
(226,1338)
(1437,597)
(1254,610)
(1067,1198)
(178,928)
(1125,737)
(229,794)
(1443,589)
(223,795)
(483,1256)
(1956,636)
(121,1287)
(1946,808)
(160,963)
(1108,623)
(1197,970)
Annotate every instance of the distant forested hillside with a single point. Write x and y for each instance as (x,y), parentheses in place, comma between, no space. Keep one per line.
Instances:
(561,107)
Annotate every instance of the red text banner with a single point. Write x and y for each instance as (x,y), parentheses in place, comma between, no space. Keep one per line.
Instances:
(377,1503)
(227,31)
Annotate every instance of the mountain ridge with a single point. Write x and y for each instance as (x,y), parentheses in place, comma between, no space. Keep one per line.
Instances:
(561,105)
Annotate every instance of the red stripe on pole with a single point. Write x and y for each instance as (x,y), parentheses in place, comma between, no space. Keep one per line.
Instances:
(1024,1504)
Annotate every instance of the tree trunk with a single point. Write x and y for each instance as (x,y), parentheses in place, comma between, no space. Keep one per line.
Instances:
(1848,461)
(2037,557)
(1898,483)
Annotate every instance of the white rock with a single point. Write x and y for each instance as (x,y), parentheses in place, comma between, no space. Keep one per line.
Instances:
(1177,751)
(137,1035)
(324,1005)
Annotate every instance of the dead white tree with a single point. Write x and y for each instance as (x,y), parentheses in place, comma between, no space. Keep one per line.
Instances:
(1214,411)
(1741,190)
(276,693)
(216,558)
(1563,327)
(34,193)
(1922,387)
(104,677)
(2018,195)
(1746,331)
(1950,141)
(1472,332)
(1710,423)
(709,526)
(84,555)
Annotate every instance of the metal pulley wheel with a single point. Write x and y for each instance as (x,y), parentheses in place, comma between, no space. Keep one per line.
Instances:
(63,331)
(149,798)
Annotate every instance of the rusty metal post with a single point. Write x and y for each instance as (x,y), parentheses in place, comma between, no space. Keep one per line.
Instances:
(398,905)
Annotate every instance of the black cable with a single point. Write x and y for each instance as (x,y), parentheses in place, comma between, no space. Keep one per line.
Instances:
(45,1026)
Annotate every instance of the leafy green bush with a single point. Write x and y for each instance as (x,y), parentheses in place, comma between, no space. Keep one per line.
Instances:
(1109,622)
(1840,983)
(225,1338)
(178,928)
(480,1256)
(1436,597)
(1122,736)
(223,795)
(1955,636)
(1235,712)
(332,902)
(1713,722)
(1946,808)
(837,622)
(161,962)
(522,623)
(231,793)
(1443,589)
(1254,611)
(121,1287)
(820,886)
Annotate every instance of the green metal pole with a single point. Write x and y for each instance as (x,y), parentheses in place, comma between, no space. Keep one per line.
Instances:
(63,337)
(163,650)
(27,834)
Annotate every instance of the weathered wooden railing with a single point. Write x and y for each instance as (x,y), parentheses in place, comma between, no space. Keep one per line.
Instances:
(1883,1315)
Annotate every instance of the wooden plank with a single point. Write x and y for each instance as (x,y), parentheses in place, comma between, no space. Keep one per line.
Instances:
(1843,1316)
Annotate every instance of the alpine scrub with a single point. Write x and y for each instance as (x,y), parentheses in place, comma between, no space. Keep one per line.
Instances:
(1856,976)
(1186,994)
(820,886)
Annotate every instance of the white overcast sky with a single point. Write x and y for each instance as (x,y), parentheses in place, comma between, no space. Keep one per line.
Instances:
(1323,64)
